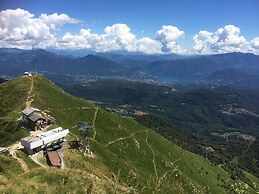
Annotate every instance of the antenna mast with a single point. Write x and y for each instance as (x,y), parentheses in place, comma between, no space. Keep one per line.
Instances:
(34,65)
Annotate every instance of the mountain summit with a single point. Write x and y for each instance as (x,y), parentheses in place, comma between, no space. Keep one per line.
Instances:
(125,156)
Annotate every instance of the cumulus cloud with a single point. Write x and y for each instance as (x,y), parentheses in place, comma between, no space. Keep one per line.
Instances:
(116,37)
(226,39)
(255,43)
(149,46)
(21,29)
(168,36)
(55,21)
(203,40)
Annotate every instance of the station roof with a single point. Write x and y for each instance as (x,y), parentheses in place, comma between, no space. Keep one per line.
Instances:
(44,138)
(54,158)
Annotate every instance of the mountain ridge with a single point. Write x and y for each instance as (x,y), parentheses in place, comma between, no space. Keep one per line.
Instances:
(162,68)
(127,156)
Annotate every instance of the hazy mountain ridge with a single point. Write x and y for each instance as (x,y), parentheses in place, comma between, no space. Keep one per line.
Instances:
(195,69)
(171,68)
(16,63)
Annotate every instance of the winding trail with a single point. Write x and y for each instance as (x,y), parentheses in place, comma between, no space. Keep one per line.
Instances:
(166,174)
(94,120)
(35,159)
(13,148)
(246,150)
(30,96)
(12,151)
(146,140)
(76,108)
(122,138)
(154,155)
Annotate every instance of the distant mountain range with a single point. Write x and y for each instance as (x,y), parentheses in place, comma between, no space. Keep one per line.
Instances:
(195,69)
(173,68)
(15,62)
(233,78)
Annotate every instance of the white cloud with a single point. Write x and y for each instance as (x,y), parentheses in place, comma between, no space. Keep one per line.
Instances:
(55,21)
(75,41)
(21,29)
(255,43)
(168,36)
(202,41)
(149,46)
(116,37)
(227,39)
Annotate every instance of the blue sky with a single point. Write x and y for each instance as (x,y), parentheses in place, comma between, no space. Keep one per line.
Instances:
(146,18)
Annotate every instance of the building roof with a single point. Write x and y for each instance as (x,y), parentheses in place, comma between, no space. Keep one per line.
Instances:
(54,158)
(34,117)
(30,110)
(44,138)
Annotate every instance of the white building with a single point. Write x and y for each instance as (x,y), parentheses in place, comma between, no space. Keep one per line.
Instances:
(26,73)
(47,139)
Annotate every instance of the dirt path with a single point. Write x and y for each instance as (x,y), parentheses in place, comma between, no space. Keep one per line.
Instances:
(246,150)
(154,155)
(166,174)
(13,148)
(122,138)
(95,116)
(76,108)
(35,158)
(30,96)
(146,140)
(12,151)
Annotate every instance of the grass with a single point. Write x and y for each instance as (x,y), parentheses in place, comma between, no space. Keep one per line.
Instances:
(26,159)
(13,96)
(55,181)
(9,167)
(43,161)
(126,156)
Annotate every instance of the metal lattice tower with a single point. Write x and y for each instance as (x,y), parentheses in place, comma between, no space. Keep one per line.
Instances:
(34,65)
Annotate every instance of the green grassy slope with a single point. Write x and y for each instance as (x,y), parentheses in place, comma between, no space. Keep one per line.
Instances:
(12,100)
(127,157)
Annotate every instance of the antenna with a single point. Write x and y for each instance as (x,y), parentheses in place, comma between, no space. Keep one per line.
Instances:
(34,65)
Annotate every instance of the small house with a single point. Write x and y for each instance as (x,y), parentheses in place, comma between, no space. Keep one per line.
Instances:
(27,112)
(35,119)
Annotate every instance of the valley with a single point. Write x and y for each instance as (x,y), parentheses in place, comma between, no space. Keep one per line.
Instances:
(219,124)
